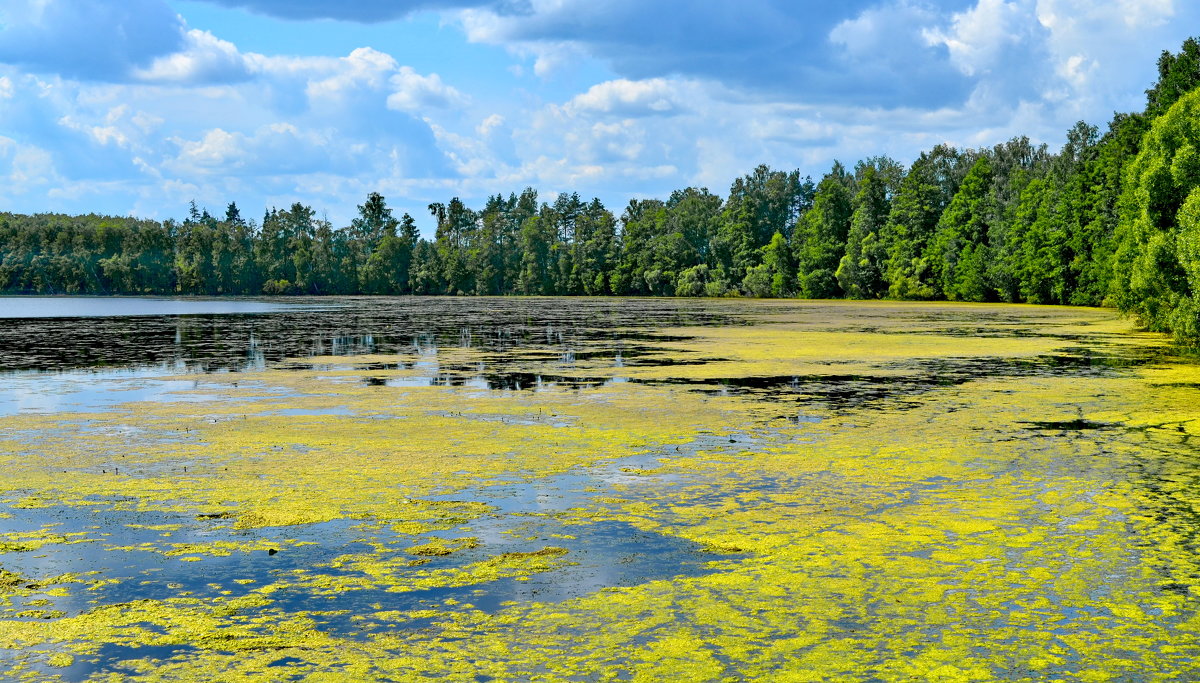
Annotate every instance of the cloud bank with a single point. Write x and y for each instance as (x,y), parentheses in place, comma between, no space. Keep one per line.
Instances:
(614,99)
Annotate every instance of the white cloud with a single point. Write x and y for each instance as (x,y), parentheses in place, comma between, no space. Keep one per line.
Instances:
(879,31)
(24,168)
(978,38)
(1103,54)
(1077,70)
(319,123)
(204,59)
(413,92)
(279,148)
(552,58)
(622,107)
(328,83)
(217,149)
(109,133)
(491,123)
(626,97)
(147,122)
(364,69)
(1146,13)
(472,156)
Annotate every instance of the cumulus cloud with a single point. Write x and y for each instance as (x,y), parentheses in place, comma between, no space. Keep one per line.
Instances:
(203,59)
(366,79)
(874,53)
(654,96)
(1145,13)
(883,54)
(413,92)
(88,39)
(107,133)
(632,98)
(348,125)
(321,123)
(363,68)
(218,149)
(279,149)
(24,168)
(980,37)
(491,123)
(1100,68)
(771,47)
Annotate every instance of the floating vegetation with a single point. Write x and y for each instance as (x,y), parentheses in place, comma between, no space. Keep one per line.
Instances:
(821,491)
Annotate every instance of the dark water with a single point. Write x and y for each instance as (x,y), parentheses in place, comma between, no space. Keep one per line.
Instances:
(247,334)
(56,359)
(60,354)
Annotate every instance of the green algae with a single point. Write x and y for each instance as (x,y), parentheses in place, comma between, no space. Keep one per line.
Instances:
(23,542)
(371,572)
(943,541)
(442,547)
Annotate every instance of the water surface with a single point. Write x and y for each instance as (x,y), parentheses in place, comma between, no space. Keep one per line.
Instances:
(575,489)
(31,307)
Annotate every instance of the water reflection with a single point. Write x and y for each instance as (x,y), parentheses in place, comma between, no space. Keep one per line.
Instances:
(944,496)
(252,339)
(54,363)
(37,307)
(57,363)
(80,391)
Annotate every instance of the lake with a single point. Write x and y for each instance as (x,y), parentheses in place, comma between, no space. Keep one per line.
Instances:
(594,489)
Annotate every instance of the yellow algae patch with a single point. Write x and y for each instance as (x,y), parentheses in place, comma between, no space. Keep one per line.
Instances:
(60,660)
(278,470)
(372,572)
(441,546)
(25,541)
(1029,518)
(227,548)
(837,338)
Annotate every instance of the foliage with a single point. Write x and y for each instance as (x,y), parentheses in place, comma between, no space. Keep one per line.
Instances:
(1158,244)
(1108,219)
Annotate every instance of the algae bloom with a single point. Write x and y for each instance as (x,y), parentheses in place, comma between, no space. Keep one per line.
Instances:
(647,490)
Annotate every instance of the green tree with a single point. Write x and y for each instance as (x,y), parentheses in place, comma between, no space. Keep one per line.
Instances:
(924,193)
(819,240)
(1178,74)
(455,239)
(779,267)
(1157,270)
(368,260)
(759,205)
(861,269)
(958,250)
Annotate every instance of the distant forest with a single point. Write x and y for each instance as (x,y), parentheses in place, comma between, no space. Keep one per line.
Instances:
(1110,219)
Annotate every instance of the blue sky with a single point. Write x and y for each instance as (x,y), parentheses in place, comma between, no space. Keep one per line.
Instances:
(140,106)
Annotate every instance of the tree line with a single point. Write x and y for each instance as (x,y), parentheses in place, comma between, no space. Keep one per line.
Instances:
(1111,218)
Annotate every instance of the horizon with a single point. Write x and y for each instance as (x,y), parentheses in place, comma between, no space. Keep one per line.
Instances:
(267,103)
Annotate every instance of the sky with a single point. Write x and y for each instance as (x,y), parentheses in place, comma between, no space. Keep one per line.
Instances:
(138,107)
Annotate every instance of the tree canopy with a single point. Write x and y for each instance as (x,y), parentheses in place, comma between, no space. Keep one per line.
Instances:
(1110,218)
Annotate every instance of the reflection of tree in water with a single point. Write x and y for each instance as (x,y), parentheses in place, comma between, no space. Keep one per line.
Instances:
(211,343)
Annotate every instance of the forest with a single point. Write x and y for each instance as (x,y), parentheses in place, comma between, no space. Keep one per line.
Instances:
(1110,219)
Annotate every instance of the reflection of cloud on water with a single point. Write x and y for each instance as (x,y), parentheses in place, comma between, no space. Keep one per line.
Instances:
(88,391)
(102,307)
